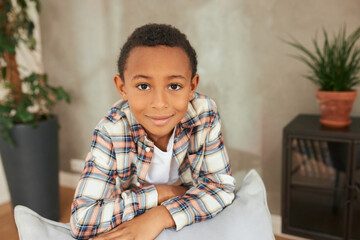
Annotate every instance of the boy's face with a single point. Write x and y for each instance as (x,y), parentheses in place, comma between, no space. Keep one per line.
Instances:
(158,87)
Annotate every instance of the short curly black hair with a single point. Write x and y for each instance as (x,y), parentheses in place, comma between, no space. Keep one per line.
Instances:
(154,35)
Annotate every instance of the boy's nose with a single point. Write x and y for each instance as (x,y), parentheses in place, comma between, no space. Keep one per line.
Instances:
(159,100)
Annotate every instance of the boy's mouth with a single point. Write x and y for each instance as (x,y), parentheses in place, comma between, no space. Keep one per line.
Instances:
(160,120)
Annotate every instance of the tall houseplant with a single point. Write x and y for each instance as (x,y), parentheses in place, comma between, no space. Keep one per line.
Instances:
(28,130)
(335,70)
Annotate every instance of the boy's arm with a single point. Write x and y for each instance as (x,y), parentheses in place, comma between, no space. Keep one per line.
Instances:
(146,226)
(98,204)
(166,192)
(151,223)
(215,186)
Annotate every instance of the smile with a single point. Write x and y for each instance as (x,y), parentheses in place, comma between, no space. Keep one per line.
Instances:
(160,121)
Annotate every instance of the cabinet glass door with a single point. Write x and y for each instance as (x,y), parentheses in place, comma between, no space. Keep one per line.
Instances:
(355,202)
(317,185)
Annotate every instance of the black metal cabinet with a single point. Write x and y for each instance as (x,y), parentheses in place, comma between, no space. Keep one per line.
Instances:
(321,179)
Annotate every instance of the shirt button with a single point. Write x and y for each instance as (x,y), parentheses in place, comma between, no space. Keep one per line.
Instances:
(147,149)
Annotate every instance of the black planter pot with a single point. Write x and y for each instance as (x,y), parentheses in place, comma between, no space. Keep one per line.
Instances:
(32,167)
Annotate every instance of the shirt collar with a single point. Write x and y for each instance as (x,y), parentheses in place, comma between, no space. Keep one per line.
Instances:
(191,118)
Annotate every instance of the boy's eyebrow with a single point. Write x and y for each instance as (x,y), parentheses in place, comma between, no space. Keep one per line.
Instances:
(176,76)
(140,76)
(148,77)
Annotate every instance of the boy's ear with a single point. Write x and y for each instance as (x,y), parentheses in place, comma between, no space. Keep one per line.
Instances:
(120,86)
(194,83)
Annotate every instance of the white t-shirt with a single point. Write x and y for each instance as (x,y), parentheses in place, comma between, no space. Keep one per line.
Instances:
(163,167)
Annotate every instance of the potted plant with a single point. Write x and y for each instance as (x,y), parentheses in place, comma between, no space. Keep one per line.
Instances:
(28,130)
(335,70)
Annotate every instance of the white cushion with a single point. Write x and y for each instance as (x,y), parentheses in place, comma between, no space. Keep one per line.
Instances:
(32,226)
(248,218)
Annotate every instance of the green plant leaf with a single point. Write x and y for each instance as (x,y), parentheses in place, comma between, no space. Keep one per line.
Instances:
(32,43)
(3,72)
(6,45)
(8,85)
(25,116)
(335,66)
(60,94)
(300,47)
(22,4)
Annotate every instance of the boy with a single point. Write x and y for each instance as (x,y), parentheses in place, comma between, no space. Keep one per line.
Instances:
(160,135)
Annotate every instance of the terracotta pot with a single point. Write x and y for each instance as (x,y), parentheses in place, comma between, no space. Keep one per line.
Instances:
(335,107)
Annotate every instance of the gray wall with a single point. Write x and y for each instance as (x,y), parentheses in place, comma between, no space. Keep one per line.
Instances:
(243,65)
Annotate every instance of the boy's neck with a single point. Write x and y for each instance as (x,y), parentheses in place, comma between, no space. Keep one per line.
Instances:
(160,142)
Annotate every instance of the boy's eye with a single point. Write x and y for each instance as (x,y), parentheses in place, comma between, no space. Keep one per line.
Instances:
(174,87)
(143,86)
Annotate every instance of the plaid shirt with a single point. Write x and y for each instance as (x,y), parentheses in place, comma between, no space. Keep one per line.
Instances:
(112,186)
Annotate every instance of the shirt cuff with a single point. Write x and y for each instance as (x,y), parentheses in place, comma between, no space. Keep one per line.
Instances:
(180,212)
(151,197)
(146,198)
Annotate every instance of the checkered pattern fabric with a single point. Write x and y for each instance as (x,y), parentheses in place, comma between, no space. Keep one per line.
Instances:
(111,189)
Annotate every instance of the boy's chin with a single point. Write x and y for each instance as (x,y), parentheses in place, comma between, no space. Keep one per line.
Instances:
(159,132)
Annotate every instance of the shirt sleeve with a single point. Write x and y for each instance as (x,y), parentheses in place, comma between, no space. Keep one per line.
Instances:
(215,186)
(99,204)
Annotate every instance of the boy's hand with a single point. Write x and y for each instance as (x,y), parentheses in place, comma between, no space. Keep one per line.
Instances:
(144,227)
(165,192)
(149,224)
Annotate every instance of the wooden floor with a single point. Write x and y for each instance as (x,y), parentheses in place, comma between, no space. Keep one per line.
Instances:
(7,223)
